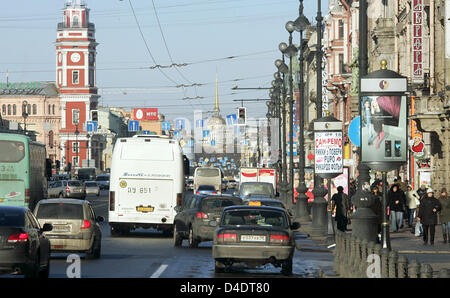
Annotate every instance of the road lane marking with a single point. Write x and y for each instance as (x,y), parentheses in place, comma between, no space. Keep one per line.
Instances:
(159,271)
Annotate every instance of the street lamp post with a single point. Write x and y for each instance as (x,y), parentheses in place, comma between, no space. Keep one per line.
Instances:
(283,68)
(291,51)
(301,200)
(319,206)
(25,114)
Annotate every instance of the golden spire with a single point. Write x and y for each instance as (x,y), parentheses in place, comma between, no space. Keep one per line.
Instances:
(216,107)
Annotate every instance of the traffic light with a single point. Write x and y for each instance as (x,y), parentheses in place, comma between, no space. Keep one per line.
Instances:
(94,115)
(69,166)
(242,115)
(58,164)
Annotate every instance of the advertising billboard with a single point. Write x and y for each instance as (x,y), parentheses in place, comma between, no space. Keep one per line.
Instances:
(145,114)
(383,129)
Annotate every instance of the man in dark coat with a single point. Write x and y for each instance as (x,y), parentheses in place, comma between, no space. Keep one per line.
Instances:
(341,202)
(397,202)
(428,210)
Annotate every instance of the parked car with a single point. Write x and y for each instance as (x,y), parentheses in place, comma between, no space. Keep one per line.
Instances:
(206,190)
(24,248)
(103,181)
(75,226)
(261,201)
(91,187)
(197,219)
(254,236)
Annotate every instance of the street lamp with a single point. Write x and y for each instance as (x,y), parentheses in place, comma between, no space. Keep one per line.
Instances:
(291,51)
(25,114)
(300,24)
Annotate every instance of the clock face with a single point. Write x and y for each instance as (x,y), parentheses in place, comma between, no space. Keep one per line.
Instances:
(75,57)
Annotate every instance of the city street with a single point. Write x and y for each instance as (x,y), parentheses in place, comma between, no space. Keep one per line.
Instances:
(149,254)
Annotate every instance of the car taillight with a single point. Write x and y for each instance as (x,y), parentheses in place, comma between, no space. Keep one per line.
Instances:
(198,192)
(27,195)
(227,237)
(112,201)
(214,192)
(86,224)
(202,215)
(279,239)
(22,237)
(179,199)
(67,189)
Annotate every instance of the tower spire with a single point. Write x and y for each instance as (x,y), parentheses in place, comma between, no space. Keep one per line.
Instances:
(216,107)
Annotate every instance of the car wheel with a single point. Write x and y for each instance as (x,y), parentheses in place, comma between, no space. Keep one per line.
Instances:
(95,251)
(32,271)
(177,240)
(286,267)
(44,273)
(193,242)
(219,267)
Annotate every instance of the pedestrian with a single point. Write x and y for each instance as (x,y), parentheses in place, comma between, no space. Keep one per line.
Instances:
(397,205)
(428,211)
(412,201)
(377,207)
(422,191)
(340,201)
(444,215)
(401,184)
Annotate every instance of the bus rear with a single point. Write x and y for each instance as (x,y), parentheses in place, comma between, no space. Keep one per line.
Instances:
(14,170)
(146,183)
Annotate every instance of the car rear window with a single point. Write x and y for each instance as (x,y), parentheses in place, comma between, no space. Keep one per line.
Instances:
(102,178)
(75,183)
(207,172)
(217,204)
(257,189)
(206,187)
(12,218)
(255,217)
(60,211)
(90,184)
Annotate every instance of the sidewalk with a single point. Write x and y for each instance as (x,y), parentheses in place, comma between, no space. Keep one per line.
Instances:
(403,241)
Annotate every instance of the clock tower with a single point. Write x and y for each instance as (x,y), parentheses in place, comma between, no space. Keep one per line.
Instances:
(76,80)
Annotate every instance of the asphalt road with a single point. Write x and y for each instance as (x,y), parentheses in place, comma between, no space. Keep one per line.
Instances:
(149,254)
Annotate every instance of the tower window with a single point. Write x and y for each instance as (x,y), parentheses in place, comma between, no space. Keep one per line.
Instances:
(341,29)
(76,21)
(75,77)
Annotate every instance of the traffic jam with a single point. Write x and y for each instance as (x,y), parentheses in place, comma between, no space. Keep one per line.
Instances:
(241,218)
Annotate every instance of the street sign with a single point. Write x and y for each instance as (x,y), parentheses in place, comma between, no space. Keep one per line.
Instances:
(354,131)
(91,126)
(146,132)
(133,125)
(166,125)
(328,152)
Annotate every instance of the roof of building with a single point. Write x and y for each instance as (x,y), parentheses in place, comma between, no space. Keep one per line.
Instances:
(29,88)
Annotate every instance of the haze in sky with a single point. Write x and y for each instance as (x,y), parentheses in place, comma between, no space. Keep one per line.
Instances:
(235,39)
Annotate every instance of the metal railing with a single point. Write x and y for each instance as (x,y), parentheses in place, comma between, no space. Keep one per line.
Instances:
(355,258)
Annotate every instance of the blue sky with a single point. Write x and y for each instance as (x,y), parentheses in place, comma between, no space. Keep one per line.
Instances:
(202,33)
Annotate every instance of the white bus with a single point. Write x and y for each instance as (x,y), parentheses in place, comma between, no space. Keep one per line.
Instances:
(146,183)
(208,176)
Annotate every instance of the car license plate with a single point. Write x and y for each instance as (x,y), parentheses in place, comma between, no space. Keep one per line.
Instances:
(253,238)
(59,228)
(145,209)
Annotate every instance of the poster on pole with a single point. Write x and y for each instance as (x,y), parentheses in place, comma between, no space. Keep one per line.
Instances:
(328,148)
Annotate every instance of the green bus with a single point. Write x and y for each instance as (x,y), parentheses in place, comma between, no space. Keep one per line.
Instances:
(23,179)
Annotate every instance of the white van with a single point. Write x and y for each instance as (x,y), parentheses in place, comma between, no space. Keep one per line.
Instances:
(208,176)
(146,183)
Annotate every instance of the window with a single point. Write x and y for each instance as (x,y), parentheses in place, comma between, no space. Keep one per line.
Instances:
(341,29)
(60,211)
(75,77)
(75,116)
(9,109)
(75,161)
(49,109)
(34,109)
(14,109)
(75,21)
(12,151)
(75,147)
(341,63)
(4,109)
(53,109)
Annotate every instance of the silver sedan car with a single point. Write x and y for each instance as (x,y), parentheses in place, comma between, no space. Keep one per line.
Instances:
(92,187)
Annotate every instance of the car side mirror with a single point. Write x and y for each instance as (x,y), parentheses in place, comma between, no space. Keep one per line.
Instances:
(177,208)
(100,219)
(47,227)
(295,226)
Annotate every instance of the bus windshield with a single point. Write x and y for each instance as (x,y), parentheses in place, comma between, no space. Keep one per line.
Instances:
(12,151)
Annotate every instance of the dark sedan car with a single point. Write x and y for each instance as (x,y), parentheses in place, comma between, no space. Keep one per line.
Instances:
(197,219)
(254,236)
(23,247)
